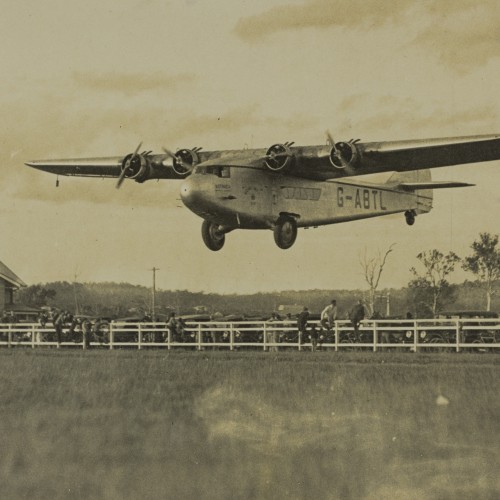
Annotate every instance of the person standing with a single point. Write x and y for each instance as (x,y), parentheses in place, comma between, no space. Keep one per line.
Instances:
(356,316)
(272,334)
(86,327)
(314,334)
(58,322)
(302,319)
(172,328)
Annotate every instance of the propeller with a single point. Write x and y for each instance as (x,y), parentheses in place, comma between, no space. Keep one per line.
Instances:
(336,151)
(126,166)
(179,160)
(278,156)
(172,155)
(338,154)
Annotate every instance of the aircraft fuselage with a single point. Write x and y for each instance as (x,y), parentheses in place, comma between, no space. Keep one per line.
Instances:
(255,199)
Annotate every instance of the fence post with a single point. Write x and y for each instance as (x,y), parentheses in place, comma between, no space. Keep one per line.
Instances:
(415,336)
(139,337)
(458,339)
(264,339)
(169,338)
(9,336)
(231,337)
(199,336)
(337,334)
(111,336)
(32,336)
(375,339)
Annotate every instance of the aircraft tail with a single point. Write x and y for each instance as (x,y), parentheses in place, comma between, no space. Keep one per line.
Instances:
(416,178)
(413,176)
(420,182)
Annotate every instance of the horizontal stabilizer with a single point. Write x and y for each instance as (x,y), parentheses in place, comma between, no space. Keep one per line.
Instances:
(416,186)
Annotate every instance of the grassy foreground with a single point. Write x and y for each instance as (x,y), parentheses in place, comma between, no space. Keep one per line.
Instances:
(217,425)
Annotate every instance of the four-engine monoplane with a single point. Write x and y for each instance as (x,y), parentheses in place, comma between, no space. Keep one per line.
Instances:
(285,186)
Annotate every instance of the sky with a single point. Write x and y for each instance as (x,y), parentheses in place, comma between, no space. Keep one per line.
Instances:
(95,78)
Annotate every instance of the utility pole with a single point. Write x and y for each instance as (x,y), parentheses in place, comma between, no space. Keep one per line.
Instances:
(77,308)
(153,295)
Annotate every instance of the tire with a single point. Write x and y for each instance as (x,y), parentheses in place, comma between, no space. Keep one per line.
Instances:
(479,349)
(410,218)
(438,340)
(285,232)
(212,237)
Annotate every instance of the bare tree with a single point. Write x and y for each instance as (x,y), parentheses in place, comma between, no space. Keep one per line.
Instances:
(485,263)
(372,271)
(437,267)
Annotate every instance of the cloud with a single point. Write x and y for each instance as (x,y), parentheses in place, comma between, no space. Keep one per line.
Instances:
(396,115)
(321,14)
(464,34)
(133,83)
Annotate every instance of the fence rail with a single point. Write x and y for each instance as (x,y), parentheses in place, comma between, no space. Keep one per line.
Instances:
(427,335)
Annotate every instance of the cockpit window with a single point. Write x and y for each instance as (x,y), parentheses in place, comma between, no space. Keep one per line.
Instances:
(219,171)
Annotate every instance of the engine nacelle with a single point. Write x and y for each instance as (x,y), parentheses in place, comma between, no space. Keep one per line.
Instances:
(138,167)
(344,154)
(185,160)
(279,157)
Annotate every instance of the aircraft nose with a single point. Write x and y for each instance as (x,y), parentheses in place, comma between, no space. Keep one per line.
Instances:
(189,194)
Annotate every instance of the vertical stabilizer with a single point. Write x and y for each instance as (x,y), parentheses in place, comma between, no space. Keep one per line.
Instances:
(424,196)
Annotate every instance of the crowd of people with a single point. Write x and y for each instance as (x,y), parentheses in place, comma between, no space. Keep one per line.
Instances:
(62,326)
(309,332)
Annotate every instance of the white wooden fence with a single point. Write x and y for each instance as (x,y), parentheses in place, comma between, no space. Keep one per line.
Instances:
(425,335)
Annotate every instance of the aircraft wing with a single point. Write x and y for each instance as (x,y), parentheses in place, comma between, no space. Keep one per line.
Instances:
(430,153)
(91,167)
(137,166)
(324,162)
(353,158)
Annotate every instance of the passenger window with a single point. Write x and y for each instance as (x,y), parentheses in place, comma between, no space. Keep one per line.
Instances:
(217,170)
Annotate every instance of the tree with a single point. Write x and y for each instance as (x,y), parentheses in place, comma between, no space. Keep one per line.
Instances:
(372,271)
(485,263)
(36,295)
(432,280)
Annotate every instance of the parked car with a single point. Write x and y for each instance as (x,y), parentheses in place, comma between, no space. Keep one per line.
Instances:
(478,326)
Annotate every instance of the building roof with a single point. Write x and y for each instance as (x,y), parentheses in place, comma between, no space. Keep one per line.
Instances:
(9,276)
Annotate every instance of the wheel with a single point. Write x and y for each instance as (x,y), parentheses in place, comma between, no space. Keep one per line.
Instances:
(479,349)
(285,232)
(410,217)
(212,237)
(439,340)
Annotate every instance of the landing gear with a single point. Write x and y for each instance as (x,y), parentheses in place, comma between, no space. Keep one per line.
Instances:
(410,217)
(285,232)
(212,236)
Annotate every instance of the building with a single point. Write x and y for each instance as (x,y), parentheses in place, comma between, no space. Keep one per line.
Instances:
(9,283)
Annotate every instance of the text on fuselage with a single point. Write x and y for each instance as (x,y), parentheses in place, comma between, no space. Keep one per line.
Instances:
(300,193)
(369,199)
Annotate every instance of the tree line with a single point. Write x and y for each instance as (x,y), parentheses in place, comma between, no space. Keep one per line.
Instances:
(428,291)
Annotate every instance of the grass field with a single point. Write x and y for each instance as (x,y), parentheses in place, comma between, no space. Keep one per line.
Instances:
(129,424)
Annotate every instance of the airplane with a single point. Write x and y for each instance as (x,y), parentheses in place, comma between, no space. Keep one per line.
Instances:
(286,187)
